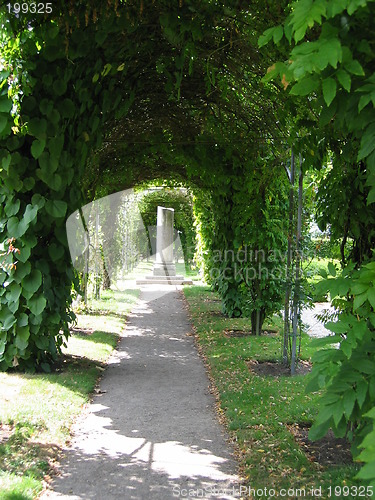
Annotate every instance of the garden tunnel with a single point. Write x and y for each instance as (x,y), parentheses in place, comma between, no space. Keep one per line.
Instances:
(100,98)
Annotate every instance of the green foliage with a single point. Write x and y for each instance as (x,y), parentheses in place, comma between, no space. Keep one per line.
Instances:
(335,67)
(36,189)
(367,454)
(80,114)
(243,233)
(259,408)
(345,366)
(332,62)
(342,205)
(43,406)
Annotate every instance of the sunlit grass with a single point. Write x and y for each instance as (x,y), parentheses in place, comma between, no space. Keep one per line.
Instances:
(258,409)
(37,411)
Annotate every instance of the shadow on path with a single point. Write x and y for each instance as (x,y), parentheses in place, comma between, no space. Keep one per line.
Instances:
(152,433)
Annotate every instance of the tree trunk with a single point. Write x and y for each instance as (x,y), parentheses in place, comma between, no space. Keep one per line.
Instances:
(257,319)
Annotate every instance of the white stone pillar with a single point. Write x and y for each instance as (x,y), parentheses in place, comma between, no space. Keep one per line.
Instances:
(164,261)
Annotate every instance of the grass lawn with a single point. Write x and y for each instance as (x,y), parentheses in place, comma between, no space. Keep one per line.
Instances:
(37,411)
(260,411)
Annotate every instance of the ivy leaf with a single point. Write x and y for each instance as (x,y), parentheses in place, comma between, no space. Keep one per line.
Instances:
(56,208)
(46,367)
(53,181)
(16,228)
(38,128)
(21,271)
(67,109)
(32,282)
(30,214)
(45,106)
(5,162)
(37,304)
(7,319)
(3,342)
(37,148)
(38,200)
(14,292)
(56,252)
(22,337)
(25,254)
(12,208)
(329,90)
(54,116)
(23,320)
(48,164)
(55,146)
(5,104)
(59,87)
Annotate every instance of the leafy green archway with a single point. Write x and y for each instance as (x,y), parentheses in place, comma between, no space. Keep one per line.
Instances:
(97,98)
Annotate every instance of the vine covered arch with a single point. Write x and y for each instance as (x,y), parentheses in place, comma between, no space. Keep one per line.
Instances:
(99,98)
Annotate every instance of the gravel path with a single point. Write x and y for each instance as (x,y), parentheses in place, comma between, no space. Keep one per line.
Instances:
(152,432)
(314,327)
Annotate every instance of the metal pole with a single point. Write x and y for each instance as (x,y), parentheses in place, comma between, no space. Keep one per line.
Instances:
(296,295)
(291,174)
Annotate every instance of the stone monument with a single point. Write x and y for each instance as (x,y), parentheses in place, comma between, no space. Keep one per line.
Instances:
(164,260)
(164,271)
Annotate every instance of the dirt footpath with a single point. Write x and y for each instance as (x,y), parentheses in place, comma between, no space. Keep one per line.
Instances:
(152,432)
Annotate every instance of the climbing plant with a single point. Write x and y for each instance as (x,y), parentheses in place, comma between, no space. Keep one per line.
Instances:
(103,96)
(49,121)
(242,234)
(331,64)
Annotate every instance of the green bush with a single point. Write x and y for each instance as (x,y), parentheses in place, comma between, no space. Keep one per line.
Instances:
(345,366)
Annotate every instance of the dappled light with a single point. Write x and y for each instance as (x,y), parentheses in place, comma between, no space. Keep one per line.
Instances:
(145,145)
(152,426)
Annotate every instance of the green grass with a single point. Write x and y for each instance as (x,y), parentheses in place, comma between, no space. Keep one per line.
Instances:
(258,408)
(116,302)
(37,411)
